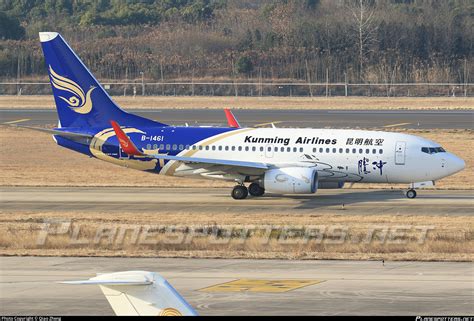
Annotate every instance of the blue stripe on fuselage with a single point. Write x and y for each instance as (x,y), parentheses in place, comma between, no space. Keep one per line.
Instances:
(166,135)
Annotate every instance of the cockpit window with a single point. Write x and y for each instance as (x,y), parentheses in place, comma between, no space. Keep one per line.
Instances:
(433,150)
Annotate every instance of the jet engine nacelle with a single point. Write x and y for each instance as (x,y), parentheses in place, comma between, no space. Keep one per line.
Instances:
(291,180)
(330,185)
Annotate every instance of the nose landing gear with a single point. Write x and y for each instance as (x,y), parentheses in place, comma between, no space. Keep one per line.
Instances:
(411,193)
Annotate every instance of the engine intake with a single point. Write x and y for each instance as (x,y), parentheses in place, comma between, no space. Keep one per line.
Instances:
(291,180)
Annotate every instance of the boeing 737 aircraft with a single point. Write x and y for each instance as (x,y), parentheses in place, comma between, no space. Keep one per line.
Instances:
(273,160)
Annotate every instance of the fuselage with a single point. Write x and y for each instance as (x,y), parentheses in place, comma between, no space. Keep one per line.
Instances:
(338,155)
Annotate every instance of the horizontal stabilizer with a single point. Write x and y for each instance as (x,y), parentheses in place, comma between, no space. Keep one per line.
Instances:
(53,131)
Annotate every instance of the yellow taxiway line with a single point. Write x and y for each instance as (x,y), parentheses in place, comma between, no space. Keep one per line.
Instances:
(269,123)
(396,125)
(16,121)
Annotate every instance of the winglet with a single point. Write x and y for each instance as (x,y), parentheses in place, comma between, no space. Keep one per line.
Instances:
(231,120)
(140,293)
(127,145)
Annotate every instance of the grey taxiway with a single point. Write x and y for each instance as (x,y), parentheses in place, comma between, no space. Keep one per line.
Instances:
(369,119)
(29,286)
(218,200)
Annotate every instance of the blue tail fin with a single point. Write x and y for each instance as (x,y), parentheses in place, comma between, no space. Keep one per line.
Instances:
(80,99)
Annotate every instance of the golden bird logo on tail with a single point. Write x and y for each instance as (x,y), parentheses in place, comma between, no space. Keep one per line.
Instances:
(80,102)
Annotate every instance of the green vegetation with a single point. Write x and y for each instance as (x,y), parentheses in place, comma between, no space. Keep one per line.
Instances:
(358,40)
(244,65)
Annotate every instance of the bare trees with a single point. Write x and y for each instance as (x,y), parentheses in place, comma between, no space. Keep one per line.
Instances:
(364,27)
(383,41)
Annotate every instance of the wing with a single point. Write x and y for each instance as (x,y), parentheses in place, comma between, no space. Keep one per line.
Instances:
(129,147)
(140,293)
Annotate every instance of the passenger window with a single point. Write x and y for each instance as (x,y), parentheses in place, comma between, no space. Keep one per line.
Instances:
(155,146)
(321,150)
(341,150)
(220,147)
(314,150)
(288,149)
(261,149)
(246,148)
(226,148)
(361,151)
(254,149)
(380,151)
(301,149)
(327,150)
(175,147)
(148,146)
(162,146)
(282,149)
(240,148)
(200,147)
(207,147)
(295,149)
(276,149)
(168,146)
(348,150)
(233,148)
(181,147)
(354,151)
(374,151)
(269,149)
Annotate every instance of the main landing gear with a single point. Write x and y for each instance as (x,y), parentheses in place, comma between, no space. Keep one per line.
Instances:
(241,192)
(411,193)
(256,190)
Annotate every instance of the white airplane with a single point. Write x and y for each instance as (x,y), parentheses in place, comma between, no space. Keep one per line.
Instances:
(140,293)
(272,160)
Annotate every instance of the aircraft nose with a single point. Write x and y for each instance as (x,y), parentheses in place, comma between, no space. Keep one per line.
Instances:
(456,164)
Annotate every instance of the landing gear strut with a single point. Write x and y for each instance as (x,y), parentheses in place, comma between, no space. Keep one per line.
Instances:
(240,192)
(411,193)
(256,190)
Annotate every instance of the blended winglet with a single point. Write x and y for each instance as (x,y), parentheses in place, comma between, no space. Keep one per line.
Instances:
(231,120)
(127,145)
(140,293)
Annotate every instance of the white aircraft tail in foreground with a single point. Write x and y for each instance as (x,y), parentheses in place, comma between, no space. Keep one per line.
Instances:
(140,293)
